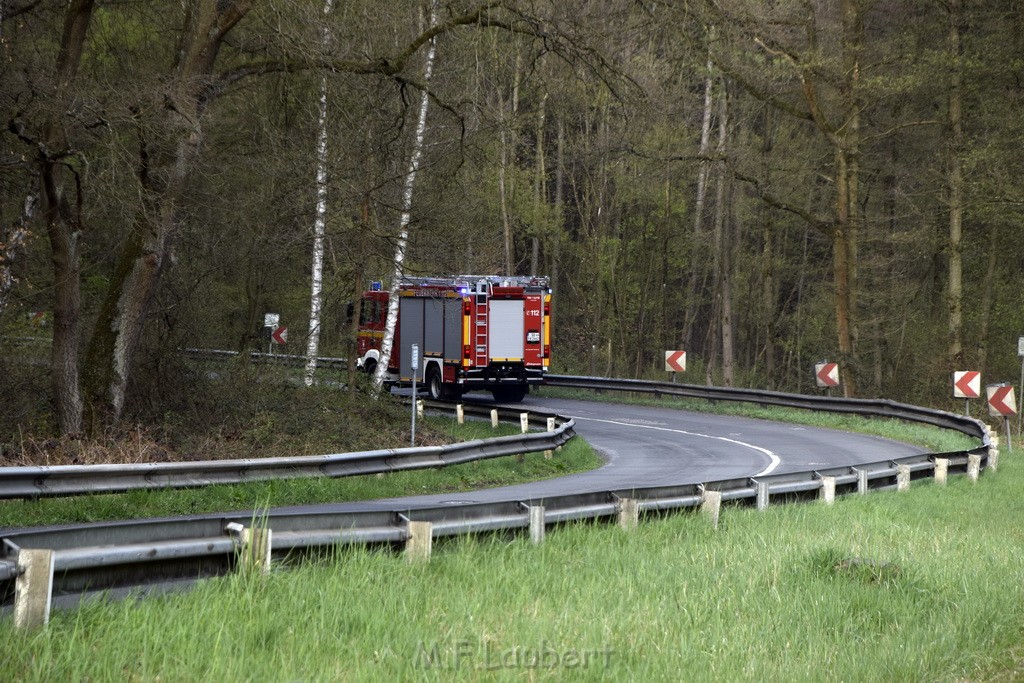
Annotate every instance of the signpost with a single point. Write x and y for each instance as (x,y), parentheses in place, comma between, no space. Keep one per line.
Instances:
(415,371)
(826,375)
(675,361)
(270,324)
(1001,402)
(967,385)
(1020,352)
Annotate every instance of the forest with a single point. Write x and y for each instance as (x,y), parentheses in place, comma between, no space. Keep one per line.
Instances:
(763,183)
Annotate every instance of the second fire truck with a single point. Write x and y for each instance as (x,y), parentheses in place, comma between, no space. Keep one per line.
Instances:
(474,333)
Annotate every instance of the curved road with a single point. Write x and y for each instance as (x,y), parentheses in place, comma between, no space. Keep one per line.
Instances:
(645,446)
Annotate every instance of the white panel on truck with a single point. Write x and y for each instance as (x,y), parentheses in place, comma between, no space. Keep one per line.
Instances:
(505,329)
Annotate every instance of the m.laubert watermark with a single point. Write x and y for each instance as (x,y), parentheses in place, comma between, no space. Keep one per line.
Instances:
(453,655)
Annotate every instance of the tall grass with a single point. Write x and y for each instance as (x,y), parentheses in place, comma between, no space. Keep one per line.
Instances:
(893,586)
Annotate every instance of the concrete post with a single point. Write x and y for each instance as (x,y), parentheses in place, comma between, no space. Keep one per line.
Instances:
(420,541)
(993,459)
(862,482)
(494,418)
(256,545)
(460,414)
(762,495)
(536,524)
(828,490)
(711,505)
(524,422)
(33,589)
(902,477)
(629,514)
(973,467)
(551,427)
(941,471)
(419,409)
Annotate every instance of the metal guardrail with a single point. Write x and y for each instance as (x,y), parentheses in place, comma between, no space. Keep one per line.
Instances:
(70,480)
(135,553)
(268,358)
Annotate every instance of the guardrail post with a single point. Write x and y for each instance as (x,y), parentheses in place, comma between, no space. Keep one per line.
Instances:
(551,427)
(256,544)
(941,471)
(973,467)
(33,589)
(711,505)
(536,524)
(902,477)
(762,495)
(460,414)
(828,490)
(993,459)
(494,418)
(419,408)
(420,541)
(862,482)
(524,422)
(629,513)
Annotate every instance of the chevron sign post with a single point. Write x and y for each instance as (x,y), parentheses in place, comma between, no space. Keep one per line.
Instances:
(826,374)
(1001,402)
(675,361)
(967,385)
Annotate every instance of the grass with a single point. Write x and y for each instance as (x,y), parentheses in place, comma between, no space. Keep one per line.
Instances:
(891,586)
(575,456)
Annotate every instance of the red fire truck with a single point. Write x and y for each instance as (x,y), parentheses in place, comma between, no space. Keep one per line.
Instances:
(473,331)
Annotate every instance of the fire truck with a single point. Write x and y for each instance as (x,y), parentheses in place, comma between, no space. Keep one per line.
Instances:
(474,332)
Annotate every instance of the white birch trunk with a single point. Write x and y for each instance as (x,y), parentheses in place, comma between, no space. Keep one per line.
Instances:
(320,222)
(406,217)
(15,241)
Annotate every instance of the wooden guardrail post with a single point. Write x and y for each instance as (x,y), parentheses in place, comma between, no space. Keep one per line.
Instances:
(536,524)
(902,477)
(256,545)
(762,495)
(973,467)
(420,542)
(862,482)
(941,471)
(828,490)
(33,589)
(711,505)
(629,513)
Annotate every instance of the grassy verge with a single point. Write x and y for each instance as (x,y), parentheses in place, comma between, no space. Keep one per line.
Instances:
(933,438)
(912,586)
(576,456)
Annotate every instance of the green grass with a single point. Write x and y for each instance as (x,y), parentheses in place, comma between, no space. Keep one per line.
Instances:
(575,456)
(933,438)
(916,586)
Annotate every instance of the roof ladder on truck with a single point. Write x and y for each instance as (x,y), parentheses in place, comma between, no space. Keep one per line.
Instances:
(480,326)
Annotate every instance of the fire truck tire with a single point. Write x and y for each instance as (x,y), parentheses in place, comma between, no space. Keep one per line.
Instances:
(369,365)
(509,394)
(435,387)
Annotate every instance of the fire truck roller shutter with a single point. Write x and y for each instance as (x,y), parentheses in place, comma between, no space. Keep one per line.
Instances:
(433,327)
(453,329)
(411,332)
(506,333)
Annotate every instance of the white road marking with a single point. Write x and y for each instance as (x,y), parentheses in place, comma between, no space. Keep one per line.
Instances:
(774,459)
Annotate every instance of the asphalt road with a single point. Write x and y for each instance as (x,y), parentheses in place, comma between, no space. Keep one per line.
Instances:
(646,446)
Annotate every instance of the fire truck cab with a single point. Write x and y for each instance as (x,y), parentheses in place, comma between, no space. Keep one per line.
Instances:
(473,331)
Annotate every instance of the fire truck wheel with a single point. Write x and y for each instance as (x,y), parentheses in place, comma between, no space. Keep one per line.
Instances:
(369,365)
(509,394)
(434,386)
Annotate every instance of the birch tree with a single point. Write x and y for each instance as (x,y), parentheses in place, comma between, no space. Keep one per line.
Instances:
(320,220)
(405,218)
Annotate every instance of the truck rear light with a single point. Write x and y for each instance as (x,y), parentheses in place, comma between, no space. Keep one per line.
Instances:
(466,351)
(467,306)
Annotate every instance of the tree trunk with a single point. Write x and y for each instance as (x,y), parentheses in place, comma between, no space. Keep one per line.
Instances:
(320,222)
(405,218)
(956,189)
(169,151)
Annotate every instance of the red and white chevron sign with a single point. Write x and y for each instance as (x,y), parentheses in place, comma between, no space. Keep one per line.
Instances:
(675,361)
(826,374)
(1000,400)
(280,335)
(967,384)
